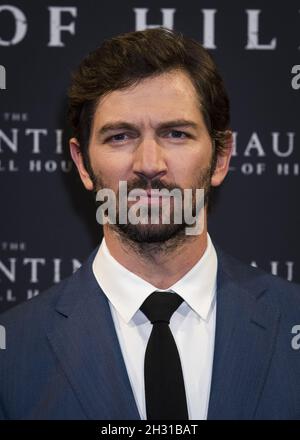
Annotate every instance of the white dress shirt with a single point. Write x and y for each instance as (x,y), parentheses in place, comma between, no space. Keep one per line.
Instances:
(192,324)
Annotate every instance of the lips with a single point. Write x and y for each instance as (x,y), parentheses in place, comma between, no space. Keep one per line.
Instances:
(150,199)
(154,194)
(148,196)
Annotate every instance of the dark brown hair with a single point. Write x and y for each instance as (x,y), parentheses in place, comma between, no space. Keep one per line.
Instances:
(124,60)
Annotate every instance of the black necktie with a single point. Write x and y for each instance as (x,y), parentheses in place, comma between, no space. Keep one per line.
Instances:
(164,385)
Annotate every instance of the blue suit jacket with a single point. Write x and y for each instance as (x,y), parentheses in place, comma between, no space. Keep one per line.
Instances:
(63,359)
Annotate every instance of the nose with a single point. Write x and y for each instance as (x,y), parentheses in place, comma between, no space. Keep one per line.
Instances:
(149,159)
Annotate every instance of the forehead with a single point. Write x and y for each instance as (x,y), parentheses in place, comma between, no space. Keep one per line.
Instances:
(170,95)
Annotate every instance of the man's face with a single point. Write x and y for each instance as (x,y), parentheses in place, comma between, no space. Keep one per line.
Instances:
(151,135)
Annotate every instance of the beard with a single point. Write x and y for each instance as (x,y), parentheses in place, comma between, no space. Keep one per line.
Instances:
(146,236)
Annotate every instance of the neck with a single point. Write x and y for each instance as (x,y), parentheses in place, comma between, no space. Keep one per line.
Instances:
(160,265)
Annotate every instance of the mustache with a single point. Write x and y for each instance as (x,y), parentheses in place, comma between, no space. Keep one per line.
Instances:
(145,184)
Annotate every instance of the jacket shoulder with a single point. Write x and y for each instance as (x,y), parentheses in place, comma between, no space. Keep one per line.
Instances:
(258,282)
(39,308)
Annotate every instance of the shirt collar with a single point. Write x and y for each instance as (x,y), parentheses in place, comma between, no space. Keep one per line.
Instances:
(127,291)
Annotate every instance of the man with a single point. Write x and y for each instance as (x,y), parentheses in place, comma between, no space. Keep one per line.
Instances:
(150,109)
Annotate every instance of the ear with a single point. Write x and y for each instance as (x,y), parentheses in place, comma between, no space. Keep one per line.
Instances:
(223,159)
(78,160)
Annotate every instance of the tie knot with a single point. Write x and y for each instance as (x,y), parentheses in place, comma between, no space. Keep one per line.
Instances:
(160,306)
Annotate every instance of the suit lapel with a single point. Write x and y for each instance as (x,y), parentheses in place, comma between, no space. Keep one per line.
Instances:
(246,329)
(83,337)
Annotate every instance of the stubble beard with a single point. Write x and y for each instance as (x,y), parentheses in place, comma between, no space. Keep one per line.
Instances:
(150,239)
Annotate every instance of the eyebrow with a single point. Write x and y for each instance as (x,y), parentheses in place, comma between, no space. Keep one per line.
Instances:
(122,125)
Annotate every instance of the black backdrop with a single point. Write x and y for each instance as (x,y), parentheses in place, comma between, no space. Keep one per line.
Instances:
(48,224)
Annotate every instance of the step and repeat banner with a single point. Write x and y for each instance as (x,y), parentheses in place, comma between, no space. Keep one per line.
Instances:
(48,222)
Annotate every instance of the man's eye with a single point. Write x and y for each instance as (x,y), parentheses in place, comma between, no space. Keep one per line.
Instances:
(177,134)
(118,137)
